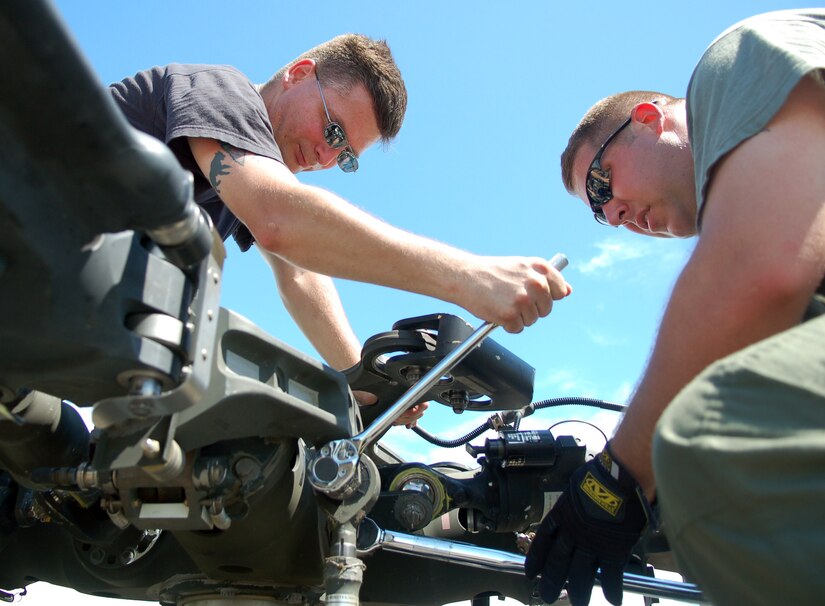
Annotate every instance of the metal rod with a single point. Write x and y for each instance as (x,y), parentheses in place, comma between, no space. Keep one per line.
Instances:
(364,439)
(451,551)
(504,561)
(411,397)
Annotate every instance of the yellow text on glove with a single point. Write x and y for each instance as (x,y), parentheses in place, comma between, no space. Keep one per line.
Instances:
(600,495)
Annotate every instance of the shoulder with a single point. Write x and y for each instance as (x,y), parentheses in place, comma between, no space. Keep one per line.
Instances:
(185,75)
(798,35)
(743,79)
(226,78)
(196,69)
(775,20)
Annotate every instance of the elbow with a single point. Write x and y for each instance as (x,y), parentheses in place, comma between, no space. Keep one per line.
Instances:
(279,223)
(785,285)
(271,238)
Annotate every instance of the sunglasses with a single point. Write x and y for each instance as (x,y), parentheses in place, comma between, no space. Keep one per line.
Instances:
(597,183)
(336,138)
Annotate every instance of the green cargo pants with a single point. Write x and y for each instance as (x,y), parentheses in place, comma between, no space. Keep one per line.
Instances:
(739,459)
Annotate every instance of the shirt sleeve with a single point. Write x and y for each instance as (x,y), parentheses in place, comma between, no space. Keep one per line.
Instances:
(218,102)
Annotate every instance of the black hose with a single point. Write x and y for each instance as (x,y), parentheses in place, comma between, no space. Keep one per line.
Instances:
(526,411)
(453,443)
(575,401)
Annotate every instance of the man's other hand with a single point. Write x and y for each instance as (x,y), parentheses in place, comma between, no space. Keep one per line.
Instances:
(594,525)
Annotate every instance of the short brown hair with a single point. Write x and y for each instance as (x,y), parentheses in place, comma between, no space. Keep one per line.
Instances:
(350,59)
(601,120)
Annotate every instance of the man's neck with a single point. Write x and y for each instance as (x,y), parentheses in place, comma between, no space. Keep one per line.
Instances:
(269,91)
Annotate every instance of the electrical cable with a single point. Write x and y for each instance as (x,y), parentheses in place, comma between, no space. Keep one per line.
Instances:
(524,412)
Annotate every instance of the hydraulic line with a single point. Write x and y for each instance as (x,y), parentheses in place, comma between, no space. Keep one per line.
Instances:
(458,441)
(572,401)
(524,412)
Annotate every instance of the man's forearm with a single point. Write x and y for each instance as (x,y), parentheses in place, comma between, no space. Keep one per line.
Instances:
(710,315)
(313,302)
(316,230)
(337,239)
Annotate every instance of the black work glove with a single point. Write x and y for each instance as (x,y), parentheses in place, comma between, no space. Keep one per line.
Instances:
(594,524)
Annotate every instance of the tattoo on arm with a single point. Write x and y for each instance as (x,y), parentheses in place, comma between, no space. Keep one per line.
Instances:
(221,165)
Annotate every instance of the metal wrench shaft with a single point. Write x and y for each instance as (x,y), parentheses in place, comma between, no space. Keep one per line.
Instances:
(367,437)
(503,561)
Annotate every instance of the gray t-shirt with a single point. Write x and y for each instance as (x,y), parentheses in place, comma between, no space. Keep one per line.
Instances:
(218,102)
(744,78)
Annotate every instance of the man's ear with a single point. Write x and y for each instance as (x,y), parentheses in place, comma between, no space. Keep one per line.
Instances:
(298,71)
(648,115)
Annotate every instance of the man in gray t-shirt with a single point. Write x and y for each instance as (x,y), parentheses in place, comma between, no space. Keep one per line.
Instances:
(245,142)
(727,426)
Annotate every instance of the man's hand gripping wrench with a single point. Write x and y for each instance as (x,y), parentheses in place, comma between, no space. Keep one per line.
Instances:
(333,468)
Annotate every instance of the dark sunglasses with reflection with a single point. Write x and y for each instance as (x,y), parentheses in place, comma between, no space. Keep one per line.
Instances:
(597,182)
(336,138)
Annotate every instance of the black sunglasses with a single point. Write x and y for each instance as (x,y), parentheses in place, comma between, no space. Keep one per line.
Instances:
(597,182)
(336,137)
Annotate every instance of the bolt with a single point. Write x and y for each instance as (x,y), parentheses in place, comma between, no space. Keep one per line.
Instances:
(217,473)
(413,514)
(97,556)
(144,386)
(344,453)
(247,467)
(459,401)
(128,556)
(151,448)
(412,374)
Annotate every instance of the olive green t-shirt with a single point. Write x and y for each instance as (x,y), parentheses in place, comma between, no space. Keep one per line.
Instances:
(742,81)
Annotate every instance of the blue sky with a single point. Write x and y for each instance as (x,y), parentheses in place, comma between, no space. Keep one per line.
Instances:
(495,89)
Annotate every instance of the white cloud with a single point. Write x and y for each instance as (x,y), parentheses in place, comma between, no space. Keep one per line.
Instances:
(604,340)
(623,393)
(647,255)
(565,382)
(613,251)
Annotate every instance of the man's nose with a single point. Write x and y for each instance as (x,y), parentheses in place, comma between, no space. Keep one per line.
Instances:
(616,212)
(326,155)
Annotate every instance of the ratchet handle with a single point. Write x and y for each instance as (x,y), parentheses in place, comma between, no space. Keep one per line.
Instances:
(559,261)
(384,422)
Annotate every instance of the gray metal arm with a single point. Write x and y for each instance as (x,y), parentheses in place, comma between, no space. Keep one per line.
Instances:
(504,561)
